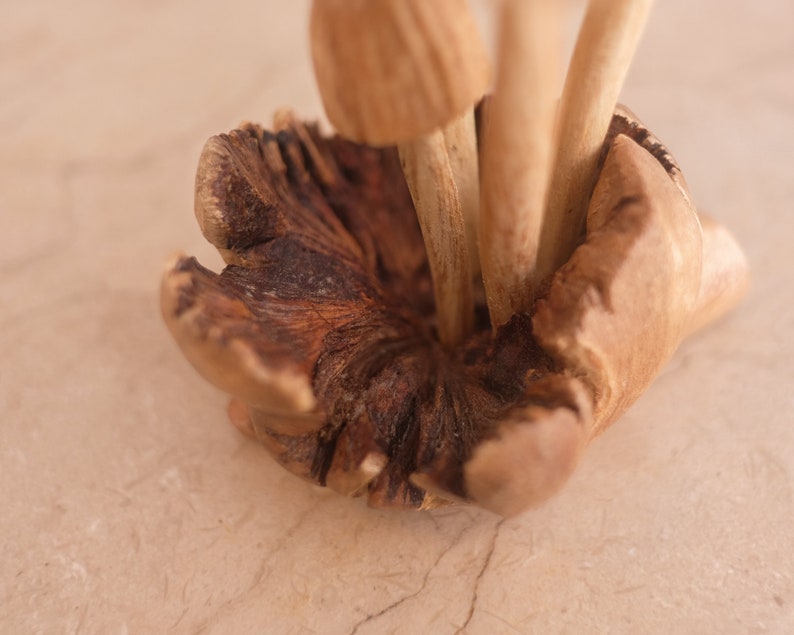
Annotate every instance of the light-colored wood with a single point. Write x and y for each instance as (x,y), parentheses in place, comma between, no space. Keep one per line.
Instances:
(517,153)
(531,455)
(460,139)
(429,176)
(392,70)
(646,275)
(725,277)
(604,49)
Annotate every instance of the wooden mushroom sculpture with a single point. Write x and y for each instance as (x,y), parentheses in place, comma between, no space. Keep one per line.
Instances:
(324,324)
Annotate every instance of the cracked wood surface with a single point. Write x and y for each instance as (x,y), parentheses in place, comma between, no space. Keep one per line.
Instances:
(129,503)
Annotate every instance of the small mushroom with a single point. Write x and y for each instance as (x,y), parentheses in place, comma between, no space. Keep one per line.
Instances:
(408,72)
(323,331)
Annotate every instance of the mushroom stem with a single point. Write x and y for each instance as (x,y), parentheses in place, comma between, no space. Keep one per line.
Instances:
(517,154)
(429,175)
(606,43)
(460,138)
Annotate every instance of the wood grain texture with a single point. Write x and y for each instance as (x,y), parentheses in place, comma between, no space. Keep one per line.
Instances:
(349,374)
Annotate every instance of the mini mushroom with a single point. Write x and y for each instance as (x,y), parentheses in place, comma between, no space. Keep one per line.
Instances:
(408,72)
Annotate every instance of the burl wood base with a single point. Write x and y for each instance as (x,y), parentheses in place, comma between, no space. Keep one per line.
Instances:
(322,324)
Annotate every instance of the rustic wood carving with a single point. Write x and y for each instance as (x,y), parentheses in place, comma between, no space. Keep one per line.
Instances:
(322,325)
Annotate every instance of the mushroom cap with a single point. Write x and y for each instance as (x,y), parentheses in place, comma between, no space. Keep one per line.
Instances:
(392,70)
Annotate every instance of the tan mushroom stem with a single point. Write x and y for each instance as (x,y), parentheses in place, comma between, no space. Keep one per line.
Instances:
(429,175)
(517,153)
(604,49)
(460,139)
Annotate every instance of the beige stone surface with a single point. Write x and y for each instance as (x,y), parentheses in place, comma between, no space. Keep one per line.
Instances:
(129,505)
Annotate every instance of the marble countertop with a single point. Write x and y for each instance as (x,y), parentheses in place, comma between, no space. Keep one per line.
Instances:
(129,505)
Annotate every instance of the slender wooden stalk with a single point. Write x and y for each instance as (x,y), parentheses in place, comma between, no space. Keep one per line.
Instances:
(517,153)
(460,138)
(606,43)
(428,172)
